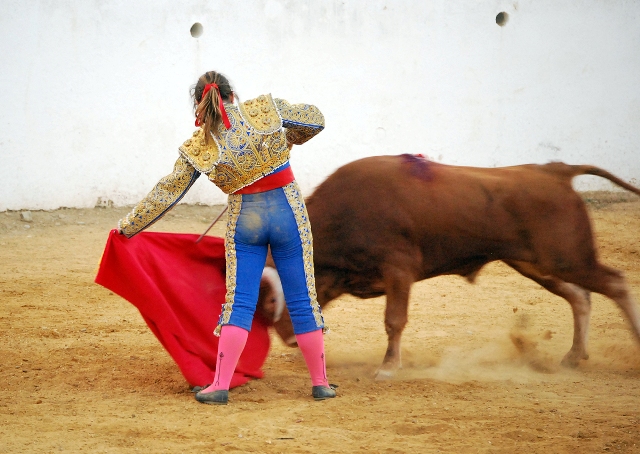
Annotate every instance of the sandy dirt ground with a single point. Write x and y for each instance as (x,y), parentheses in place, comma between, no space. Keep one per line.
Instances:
(81,372)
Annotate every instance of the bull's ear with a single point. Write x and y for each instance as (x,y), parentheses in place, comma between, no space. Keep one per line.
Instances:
(271,279)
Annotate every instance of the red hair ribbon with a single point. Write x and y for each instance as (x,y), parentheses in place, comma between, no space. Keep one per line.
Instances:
(225,118)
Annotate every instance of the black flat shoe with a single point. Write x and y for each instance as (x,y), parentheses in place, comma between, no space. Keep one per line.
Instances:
(220,397)
(324,392)
(197,389)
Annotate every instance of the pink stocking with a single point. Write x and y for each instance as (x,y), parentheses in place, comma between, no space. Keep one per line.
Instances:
(230,346)
(312,347)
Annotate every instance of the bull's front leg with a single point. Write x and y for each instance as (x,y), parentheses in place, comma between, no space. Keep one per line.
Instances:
(397,286)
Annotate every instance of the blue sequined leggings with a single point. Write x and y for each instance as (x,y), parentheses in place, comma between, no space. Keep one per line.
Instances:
(276,218)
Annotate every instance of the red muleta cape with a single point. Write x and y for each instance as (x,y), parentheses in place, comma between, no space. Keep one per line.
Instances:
(178,286)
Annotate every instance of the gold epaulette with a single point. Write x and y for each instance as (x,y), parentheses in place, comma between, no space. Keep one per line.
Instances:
(199,153)
(262,114)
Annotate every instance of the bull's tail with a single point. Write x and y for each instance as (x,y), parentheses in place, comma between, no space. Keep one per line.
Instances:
(597,171)
(577,170)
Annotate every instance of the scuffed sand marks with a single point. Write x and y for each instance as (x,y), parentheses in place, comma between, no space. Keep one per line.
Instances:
(526,346)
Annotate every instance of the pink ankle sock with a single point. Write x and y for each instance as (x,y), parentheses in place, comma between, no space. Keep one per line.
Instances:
(312,347)
(230,346)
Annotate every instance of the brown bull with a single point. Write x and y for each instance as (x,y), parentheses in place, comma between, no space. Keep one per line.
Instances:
(382,223)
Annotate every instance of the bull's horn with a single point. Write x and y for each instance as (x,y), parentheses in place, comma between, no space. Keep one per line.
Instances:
(271,275)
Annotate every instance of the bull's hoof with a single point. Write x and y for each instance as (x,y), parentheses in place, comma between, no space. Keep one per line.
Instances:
(572,360)
(383,374)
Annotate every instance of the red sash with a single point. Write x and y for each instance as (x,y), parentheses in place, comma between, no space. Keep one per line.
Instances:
(271,181)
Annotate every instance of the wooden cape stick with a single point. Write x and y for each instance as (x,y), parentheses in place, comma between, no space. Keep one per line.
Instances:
(212,224)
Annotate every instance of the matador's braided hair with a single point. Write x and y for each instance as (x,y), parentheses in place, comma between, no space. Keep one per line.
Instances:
(208,108)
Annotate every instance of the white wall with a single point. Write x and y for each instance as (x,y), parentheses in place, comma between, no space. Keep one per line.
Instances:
(94,97)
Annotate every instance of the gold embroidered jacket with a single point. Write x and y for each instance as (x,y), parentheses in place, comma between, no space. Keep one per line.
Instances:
(254,146)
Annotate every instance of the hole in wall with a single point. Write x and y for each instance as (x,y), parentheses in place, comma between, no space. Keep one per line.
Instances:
(502,18)
(196,30)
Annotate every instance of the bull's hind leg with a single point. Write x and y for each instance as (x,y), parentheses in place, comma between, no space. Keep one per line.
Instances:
(578,298)
(611,283)
(397,286)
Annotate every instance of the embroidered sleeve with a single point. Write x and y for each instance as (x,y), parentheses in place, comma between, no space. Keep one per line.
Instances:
(303,121)
(161,199)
